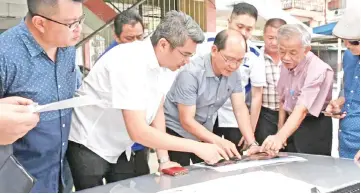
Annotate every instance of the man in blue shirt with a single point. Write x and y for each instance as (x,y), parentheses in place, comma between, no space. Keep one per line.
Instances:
(349,102)
(128,27)
(37,61)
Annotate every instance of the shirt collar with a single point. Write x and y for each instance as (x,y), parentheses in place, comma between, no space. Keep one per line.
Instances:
(152,57)
(208,66)
(267,57)
(301,65)
(33,47)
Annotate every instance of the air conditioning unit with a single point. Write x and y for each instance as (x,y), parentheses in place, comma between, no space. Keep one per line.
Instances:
(339,12)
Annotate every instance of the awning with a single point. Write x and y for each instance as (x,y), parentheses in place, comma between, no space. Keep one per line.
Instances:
(324,29)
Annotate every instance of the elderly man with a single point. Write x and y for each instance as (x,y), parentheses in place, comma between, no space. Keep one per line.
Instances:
(130,80)
(305,89)
(268,119)
(201,89)
(37,61)
(348,29)
(243,19)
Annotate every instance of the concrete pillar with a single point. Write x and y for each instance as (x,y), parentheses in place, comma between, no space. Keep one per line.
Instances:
(211,15)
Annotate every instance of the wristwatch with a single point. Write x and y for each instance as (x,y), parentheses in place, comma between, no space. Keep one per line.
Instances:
(255,143)
(163,160)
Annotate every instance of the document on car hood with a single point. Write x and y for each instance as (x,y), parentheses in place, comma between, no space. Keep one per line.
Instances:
(255,163)
(69,103)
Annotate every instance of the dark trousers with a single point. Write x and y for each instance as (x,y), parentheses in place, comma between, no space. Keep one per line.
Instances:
(267,124)
(314,136)
(183,158)
(229,133)
(89,169)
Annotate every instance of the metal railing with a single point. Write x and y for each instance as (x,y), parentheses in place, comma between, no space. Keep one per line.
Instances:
(310,5)
(152,11)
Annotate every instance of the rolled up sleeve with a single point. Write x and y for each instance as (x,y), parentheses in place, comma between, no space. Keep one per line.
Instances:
(315,92)
(185,89)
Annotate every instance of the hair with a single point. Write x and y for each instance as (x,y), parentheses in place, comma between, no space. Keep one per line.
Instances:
(245,9)
(176,28)
(35,5)
(130,17)
(221,40)
(275,23)
(294,30)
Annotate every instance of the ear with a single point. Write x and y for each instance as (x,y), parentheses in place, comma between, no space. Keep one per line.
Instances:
(163,45)
(117,39)
(307,49)
(39,23)
(214,50)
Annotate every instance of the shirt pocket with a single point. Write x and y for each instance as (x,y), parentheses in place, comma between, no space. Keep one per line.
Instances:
(70,81)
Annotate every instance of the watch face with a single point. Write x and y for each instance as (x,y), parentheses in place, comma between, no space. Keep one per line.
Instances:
(163,160)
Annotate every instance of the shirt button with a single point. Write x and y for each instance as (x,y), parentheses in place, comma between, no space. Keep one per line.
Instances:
(61,161)
(351,91)
(63,125)
(209,117)
(356,77)
(63,144)
(348,105)
(58,86)
(212,106)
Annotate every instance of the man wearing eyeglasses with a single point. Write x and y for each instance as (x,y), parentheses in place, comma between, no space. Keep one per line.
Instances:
(243,19)
(348,29)
(37,61)
(305,89)
(200,89)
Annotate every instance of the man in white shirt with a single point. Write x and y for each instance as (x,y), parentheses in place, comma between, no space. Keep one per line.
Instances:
(243,20)
(131,81)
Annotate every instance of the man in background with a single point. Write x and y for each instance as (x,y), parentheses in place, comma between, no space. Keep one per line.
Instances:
(128,27)
(268,120)
(348,29)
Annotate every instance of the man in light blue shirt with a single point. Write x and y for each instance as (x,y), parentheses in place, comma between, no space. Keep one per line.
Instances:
(200,89)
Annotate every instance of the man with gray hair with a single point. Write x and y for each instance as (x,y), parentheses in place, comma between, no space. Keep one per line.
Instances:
(130,80)
(305,89)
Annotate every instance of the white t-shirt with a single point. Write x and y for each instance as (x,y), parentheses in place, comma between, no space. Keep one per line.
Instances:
(127,77)
(252,72)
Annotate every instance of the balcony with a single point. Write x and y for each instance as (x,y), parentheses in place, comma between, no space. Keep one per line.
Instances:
(308,5)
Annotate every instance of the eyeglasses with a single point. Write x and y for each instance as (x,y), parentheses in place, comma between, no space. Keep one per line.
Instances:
(185,55)
(71,26)
(233,62)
